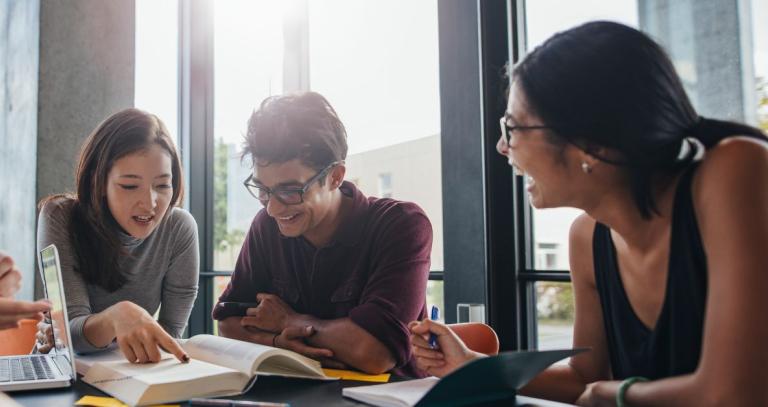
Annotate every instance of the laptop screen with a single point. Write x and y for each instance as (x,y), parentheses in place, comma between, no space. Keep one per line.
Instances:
(54,291)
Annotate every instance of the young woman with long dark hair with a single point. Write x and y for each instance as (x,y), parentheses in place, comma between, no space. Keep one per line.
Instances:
(668,262)
(126,249)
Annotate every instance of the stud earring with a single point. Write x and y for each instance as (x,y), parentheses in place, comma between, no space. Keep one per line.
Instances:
(586,168)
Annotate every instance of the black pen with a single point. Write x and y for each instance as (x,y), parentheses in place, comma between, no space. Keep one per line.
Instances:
(233,403)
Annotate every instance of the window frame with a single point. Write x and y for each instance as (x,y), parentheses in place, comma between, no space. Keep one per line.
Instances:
(493,32)
(527,275)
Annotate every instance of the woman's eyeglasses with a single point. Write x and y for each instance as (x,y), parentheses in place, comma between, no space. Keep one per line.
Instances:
(507,130)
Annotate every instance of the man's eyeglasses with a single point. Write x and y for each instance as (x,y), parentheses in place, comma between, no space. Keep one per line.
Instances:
(286,195)
(506,130)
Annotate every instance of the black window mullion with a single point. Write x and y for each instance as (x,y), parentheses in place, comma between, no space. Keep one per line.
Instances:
(526,301)
(196,128)
(461,134)
(499,218)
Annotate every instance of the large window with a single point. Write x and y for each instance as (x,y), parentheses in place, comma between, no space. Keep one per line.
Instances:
(554,300)
(383,82)
(157,68)
(248,67)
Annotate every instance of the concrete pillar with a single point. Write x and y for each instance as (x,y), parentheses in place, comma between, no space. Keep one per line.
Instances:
(710,42)
(87,53)
(19,38)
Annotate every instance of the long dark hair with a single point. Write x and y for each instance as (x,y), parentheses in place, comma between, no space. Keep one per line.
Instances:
(603,84)
(91,225)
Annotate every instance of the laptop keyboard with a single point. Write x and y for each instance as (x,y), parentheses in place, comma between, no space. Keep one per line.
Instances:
(32,367)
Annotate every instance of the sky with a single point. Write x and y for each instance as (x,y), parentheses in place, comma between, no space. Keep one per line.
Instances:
(157,60)
(384,94)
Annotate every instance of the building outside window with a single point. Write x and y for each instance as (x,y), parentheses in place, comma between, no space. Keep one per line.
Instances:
(385,185)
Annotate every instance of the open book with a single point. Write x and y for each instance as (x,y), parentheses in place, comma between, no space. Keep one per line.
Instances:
(487,381)
(218,367)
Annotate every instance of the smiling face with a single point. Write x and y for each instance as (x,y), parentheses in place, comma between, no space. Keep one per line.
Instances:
(313,216)
(553,170)
(139,190)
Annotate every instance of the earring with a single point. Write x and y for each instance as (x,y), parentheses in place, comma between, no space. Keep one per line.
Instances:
(586,168)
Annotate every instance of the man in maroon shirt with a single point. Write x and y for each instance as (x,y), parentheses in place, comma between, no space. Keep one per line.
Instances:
(337,275)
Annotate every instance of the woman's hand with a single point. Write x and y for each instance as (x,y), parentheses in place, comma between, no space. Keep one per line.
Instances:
(139,336)
(599,394)
(10,277)
(450,354)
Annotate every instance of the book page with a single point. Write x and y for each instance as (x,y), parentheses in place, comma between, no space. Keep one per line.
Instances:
(406,393)
(252,358)
(112,354)
(290,365)
(166,380)
(234,354)
(168,370)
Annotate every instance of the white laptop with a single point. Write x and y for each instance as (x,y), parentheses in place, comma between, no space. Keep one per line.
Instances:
(57,368)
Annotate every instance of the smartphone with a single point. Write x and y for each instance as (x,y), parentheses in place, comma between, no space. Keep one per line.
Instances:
(239,309)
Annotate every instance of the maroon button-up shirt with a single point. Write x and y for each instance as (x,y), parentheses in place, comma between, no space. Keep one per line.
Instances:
(374,271)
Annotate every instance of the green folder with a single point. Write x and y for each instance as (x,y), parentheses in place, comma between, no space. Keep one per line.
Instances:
(493,380)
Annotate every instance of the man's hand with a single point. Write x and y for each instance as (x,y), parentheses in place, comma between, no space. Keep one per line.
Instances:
(10,277)
(292,338)
(272,314)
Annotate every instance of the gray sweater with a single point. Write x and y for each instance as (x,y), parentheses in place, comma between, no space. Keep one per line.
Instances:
(161,269)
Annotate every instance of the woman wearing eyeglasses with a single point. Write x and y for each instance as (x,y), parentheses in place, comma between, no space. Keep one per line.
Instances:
(668,261)
(126,250)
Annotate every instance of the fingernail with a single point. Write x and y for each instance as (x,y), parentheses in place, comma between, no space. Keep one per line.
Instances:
(185,358)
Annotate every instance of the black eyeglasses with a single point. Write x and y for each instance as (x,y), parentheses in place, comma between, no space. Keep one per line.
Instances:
(506,130)
(286,195)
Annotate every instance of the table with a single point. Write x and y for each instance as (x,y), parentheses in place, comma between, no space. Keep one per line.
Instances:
(297,392)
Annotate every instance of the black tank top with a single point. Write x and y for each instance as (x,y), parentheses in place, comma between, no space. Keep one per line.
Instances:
(673,346)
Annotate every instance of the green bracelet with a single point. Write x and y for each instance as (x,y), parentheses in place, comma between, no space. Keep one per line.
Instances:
(624,386)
